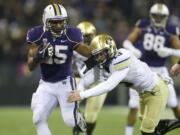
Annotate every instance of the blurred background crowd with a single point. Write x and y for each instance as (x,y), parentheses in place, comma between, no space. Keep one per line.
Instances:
(115,17)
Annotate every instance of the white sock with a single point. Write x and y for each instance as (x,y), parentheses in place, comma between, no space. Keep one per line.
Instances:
(43,129)
(129,130)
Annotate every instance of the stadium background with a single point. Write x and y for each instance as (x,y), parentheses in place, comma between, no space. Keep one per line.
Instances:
(115,17)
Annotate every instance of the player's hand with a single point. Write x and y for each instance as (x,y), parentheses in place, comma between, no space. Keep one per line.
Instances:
(45,52)
(164,51)
(74,96)
(175,69)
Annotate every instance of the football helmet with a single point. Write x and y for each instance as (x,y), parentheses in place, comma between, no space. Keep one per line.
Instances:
(103,48)
(88,30)
(159,14)
(55,19)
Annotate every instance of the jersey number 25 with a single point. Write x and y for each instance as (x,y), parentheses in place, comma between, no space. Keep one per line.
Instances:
(60,57)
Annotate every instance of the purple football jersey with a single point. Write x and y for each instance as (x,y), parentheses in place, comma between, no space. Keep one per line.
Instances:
(151,39)
(59,66)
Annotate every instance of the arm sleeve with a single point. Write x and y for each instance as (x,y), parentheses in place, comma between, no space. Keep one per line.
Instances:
(106,86)
(75,36)
(142,23)
(173,30)
(87,80)
(34,35)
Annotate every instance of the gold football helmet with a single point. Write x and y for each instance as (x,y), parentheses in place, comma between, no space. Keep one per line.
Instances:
(88,30)
(103,47)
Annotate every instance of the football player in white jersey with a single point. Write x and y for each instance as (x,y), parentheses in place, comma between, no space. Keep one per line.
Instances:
(152,41)
(51,46)
(89,79)
(123,66)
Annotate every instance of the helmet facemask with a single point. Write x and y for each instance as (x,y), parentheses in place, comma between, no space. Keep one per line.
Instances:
(88,38)
(56,27)
(102,56)
(159,20)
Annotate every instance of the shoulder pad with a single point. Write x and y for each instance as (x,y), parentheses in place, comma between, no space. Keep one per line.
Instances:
(142,23)
(34,34)
(171,29)
(122,60)
(74,34)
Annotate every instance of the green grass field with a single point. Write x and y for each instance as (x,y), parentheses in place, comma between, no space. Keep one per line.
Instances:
(111,121)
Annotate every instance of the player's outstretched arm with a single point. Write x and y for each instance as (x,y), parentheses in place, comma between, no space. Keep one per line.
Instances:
(104,87)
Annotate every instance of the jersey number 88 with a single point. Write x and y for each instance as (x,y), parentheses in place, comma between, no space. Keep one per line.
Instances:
(153,42)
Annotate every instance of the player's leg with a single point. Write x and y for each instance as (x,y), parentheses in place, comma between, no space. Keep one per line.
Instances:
(92,109)
(70,111)
(42,105)
(173,102)
(155,103)
(172,99)
(133,110)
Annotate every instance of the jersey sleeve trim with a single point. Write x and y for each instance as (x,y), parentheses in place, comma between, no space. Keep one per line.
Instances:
(77,43)
(34,41)
(122,64)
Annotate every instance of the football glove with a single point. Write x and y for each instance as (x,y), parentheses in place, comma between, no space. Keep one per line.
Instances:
(164,52)
(90,63)
(44,52)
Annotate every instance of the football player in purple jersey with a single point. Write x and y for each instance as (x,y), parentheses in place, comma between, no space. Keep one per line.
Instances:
(152,41)
(51,46)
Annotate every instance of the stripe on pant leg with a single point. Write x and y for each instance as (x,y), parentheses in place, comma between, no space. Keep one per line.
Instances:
(72,82)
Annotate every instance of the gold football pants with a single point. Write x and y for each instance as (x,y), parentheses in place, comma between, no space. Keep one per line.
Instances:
(93,107)
(152,104)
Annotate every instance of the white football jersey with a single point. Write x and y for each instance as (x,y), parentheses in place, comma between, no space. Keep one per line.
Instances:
(125,67)
(139,74)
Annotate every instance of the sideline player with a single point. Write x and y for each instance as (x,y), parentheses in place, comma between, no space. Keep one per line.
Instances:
(152,41)
(124,66)
(51,46)
(90,79)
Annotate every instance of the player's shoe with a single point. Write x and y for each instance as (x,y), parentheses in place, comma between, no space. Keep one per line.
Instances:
(165,126)
(81,127)
(76,131)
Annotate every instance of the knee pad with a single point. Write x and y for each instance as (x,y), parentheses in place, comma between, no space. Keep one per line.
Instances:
(148,125)
(172,103)
(70,122)
(172,99)
(133,98)
(133,103)
(39,116)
